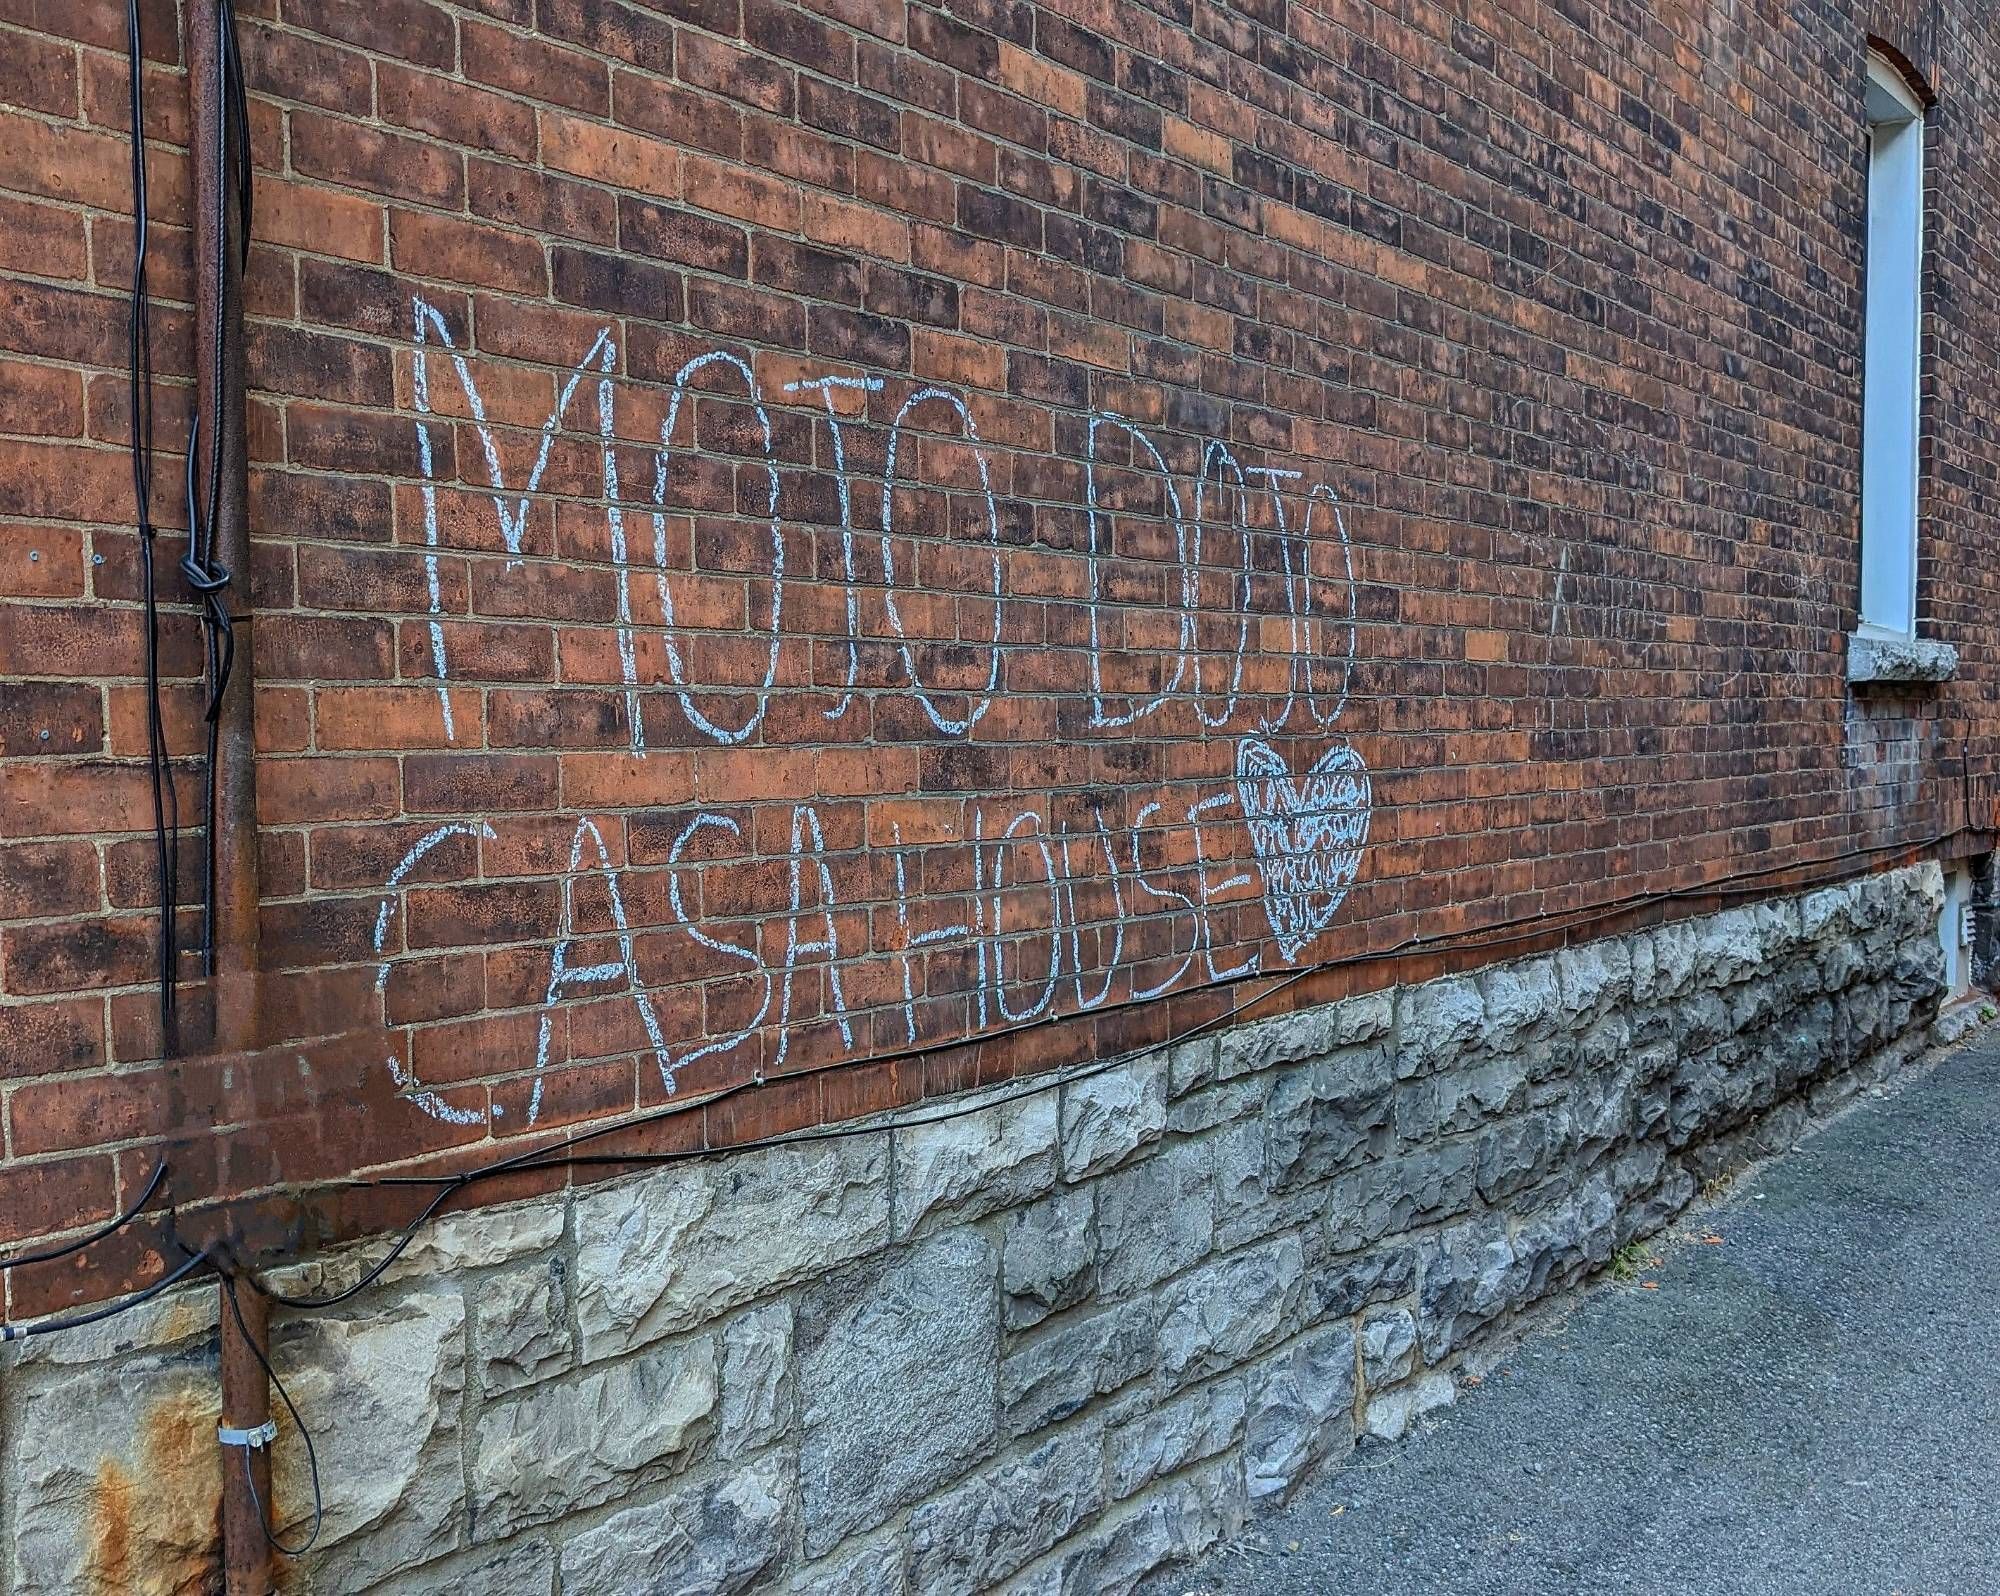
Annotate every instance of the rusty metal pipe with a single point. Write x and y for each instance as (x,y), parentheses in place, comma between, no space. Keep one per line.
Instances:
(246,1406)
(219,309)
(245,1315)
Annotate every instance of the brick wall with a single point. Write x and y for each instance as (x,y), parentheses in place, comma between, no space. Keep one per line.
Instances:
(792,539)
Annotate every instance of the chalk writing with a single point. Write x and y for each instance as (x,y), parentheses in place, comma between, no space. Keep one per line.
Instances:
(1036,898)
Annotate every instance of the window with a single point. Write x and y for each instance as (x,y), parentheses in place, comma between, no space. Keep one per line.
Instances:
(1890,361)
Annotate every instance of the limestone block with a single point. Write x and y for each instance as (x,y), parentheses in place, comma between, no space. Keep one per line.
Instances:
(1155,1218)
(992,1525)
(1517,1153)
(897,1369)
(1458,1100)
(520,1321)
(756,1379)
(1339,1287)
(1172,1524)
(577,1443)
(1388,1346)
(381,1389)
(1385,1198)
(1391,1414)
(1282,1039)
(478,1238)
(518,1568)
(1060,1369)
(713,1539)
(1300,1413)
(1106,1118)
(1164,1438)
(873,1569)
(976,1164)
(1190,1064)
(1326,1115)
(1435,1021)
(1208,1107)
(111,1478)
(1730,946)
(1048,1256)
(1467,1277)
(672,1251)
(1594,976)
(1225,1312)
(1519,1000)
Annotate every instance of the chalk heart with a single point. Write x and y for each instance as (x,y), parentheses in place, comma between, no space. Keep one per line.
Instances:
(1308,832)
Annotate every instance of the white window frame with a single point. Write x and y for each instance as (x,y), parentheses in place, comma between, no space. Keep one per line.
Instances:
(1892,360)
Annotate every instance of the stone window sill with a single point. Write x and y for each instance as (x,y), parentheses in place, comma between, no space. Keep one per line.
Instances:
(1883,657)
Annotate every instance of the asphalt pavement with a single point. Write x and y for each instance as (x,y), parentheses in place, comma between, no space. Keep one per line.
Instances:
(1807,1404)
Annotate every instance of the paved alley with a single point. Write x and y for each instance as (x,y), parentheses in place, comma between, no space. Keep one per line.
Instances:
(1807,1407)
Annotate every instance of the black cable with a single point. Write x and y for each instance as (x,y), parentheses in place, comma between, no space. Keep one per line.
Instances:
(313,1304)
(540,1158)
(166,803)
(103,1233)
(305,1435)
(239,110)
(49,1327)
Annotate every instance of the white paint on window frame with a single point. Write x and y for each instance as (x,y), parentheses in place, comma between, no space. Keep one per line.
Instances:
(1891,380)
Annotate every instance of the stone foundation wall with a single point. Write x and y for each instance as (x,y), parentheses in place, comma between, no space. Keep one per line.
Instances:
(1047,1346)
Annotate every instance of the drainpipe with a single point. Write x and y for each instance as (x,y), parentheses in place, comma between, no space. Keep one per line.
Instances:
(246,1392)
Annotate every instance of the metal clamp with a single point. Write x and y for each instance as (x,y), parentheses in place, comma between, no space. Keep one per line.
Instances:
(263,1435)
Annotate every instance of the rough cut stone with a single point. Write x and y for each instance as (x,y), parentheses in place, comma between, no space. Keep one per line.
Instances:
(1284,1039)
(672,1251)
(1469,1276)
(756,1379)
(1224,1312)
(1383,1199)
(1555,1246)
(1325,1115)
(382,1391)
(1163,1439)
(112,1480)
(1518,1152)
(1106,1118)
(1388,1346)
(519,1568)
(1058,1370)
(1594,976)
(1518,999)
(1172,1524)
(1459,1100)
(1391,1414)
(580,1442)
(1217,1105)
(478,1238)
(875,1569)
(1300,1412)
(1336,1289)
(1435,1021)
(975,1164)
(1155,1218)
(520,1323)
(1190,1064)
(1308,1034)
(1048,1256)
(709,1540)
(896,1366)
(997,1522)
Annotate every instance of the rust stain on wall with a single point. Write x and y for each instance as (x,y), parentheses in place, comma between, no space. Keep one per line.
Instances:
(159,1533)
